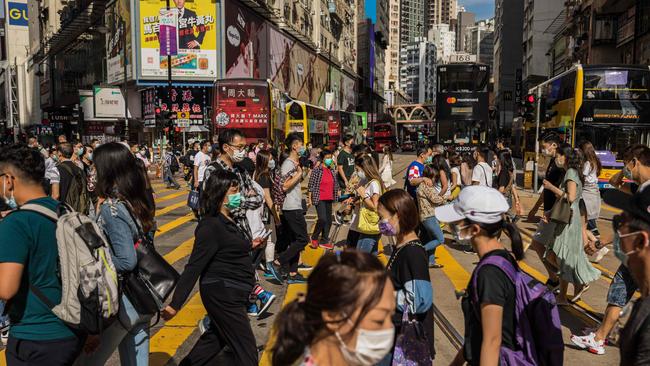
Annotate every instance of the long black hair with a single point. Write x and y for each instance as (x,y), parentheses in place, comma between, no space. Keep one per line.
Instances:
(505,158)
(215,191)
(340,283)
(262,165)
(574,159)
(119,176)
(440,164)
(494,231)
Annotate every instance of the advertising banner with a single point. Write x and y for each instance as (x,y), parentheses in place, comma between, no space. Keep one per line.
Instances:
(148,101)
(18,14)
(118,21)
(168,32)
(245,42)
(108,102)
(192,100)
(242,106)
(197,40)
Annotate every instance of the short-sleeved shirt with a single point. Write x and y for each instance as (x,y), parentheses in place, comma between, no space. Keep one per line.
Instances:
(293,199)
(554,174)
(346,160)
(591,174)
(29,238)
(202,161)
(482,174)
(495,288)
(414,170)
(264,181)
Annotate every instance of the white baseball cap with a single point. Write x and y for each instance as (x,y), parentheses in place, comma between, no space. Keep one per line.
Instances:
(480,204)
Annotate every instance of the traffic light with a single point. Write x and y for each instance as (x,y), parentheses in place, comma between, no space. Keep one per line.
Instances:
(529,107)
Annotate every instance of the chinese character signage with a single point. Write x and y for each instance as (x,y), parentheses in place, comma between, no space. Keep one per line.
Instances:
(118,21)
(168,32)
(148,102)
(197,40)
(242,104)
(190,100)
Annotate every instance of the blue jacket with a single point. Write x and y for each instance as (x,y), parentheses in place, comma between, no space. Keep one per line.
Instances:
(121,232)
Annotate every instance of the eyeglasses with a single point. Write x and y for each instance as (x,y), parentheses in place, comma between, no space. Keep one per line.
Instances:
(238,147)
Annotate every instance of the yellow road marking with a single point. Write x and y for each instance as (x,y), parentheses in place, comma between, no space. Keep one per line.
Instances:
(174,224)
(458,276)
(171,196)
(610,209)
(164,210)
(174,333)
(180,251)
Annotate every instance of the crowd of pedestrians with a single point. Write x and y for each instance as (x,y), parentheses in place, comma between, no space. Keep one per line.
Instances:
(251,212)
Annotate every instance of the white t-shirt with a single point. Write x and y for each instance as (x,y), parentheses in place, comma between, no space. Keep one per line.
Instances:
(590,174)
(51,171)
(202,161)
(459,181)
(482,174)
(372,189)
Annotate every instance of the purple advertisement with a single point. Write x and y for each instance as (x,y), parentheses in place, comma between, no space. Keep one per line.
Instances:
(168,35)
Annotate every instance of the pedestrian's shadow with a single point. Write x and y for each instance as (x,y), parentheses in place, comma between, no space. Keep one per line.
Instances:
(162,358)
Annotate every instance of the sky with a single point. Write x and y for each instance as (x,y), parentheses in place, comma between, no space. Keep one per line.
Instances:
(482,8)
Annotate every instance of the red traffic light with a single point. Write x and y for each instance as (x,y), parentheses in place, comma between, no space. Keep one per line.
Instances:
(158,110)
(530,98)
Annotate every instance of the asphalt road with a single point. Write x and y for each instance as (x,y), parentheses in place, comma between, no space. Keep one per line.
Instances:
(171,341)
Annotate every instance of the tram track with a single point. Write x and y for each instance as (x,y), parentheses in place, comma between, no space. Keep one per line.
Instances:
(454,337)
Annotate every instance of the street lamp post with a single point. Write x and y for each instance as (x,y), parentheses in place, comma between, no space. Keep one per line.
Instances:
(125,78)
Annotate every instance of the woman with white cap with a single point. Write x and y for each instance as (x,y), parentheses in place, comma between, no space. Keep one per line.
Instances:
(477,218)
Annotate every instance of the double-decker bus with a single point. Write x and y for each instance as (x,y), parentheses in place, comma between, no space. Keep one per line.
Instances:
(462,104)
(341,123)
(607,105)
(250,105)
(384,135)
(310,120)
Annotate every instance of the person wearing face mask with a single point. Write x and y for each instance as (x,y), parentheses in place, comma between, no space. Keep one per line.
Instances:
(407,266)
(623,284)
(73,186)
(414,171)
(545,228)
(322,191)
(477,217)
(34,144)
(201,162)
(366,221)
(567,245)
(29,254)
(293,218)
(632,228)
(482,172)
(222,264)
(78,154)
(344,318)
(264,175)
(345,161)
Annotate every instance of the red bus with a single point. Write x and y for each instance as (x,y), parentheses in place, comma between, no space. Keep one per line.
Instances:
(250,105)
(384,135)
(339,124)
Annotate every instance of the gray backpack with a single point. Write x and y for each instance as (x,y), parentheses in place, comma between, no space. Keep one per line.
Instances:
(90,295)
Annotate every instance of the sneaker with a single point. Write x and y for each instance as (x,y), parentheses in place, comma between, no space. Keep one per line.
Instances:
(469,250)
(552,285)
(589,343)
(274,271)
(266,299)
(327,246)
(204,324)
(304,266)
(4,336)
(253,310)
(600,254)
(314,244)
(338,218)
(297,278)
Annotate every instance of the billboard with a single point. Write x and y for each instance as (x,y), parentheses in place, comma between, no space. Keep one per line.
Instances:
(242,104)
(149,99)
(184,99)
(197,40)
(120,10)
(18,14)
(245,42)
(108,102)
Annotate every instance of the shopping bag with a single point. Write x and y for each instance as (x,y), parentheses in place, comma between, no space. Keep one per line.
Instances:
(193,200)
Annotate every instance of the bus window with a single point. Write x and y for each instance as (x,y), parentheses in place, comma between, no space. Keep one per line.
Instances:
(615,84)
(295,111)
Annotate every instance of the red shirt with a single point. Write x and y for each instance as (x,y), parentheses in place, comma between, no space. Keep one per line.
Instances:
(327,186)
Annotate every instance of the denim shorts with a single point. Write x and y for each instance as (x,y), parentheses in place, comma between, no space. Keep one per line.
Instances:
(622,287)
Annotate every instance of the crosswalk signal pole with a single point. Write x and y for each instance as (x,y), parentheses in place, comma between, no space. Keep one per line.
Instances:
(537,118)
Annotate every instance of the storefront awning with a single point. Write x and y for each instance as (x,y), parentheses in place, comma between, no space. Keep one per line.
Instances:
(70,32)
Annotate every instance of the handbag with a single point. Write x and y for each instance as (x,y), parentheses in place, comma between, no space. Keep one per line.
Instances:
(561,211)
(368,220)
(152,281)
(193,200)
(411,347)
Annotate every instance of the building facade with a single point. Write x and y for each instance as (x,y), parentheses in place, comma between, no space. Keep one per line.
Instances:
(393,50)
(509,15)
(413,20)
(444,37)
(441,12)
(417,71)
(538,16)
(465,20)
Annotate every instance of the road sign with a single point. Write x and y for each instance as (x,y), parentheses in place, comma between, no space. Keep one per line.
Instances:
(182,119)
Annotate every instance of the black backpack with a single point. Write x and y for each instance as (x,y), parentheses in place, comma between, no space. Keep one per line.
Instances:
(174,164)
(77,196)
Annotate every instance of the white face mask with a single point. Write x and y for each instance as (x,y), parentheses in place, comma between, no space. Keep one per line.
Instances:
(271,164)
(371,347)
(361,174)
(238,155)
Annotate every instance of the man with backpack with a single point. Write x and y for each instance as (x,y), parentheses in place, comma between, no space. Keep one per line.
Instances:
(170,167)
(73,188)
(28,258)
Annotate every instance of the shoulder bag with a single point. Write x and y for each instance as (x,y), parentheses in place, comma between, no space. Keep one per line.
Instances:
(561,211)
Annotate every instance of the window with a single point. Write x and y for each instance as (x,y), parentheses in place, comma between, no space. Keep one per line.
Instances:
(617,84)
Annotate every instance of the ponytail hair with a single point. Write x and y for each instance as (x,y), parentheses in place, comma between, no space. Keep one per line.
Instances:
(495,230)
(340,283)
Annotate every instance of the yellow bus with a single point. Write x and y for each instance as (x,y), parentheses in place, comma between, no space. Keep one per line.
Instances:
(310,120)
(608,105)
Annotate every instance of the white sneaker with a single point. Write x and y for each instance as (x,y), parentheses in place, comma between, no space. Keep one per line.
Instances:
(204,324)
(589,343)
(4,336)
(600,254)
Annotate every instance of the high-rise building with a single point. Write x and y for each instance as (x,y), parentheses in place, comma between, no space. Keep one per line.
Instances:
(486,50)
(445,40)
(538,15)
(393,50)
(465,20)
(475,34)
(441,12)
(413,20)
(509,15)
(418,69)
